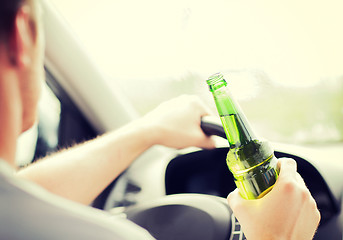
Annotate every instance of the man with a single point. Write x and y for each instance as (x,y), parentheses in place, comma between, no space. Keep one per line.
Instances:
(28,211)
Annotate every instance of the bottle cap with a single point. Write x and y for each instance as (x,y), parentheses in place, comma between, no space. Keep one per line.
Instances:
(216,81)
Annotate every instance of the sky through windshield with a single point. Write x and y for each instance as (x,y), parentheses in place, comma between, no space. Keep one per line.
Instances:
(296,43)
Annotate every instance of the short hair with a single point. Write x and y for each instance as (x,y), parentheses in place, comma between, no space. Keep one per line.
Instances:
(8,11)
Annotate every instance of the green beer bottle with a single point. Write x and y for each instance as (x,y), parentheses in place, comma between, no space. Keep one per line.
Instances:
(251,161)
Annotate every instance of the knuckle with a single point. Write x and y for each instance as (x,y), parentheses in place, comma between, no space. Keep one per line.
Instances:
(289,186)
(287,160)
(305,195)
(291,162)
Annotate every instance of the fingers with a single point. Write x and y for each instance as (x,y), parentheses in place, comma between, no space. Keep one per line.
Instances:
(207,142)
(301,182)
(201,110)
(204,109)
(232,197)
(289,175)
(289,181)
(236,201)
(177,123)
(288,168)
(308,223)
(289,202)
(295,187)
(196,104)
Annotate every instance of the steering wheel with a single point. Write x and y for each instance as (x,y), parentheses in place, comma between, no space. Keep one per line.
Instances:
(188,216)
(193,210)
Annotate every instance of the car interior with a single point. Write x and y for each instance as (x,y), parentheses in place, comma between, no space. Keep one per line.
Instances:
(174,194)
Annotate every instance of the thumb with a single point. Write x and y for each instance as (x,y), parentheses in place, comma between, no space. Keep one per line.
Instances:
(235,200)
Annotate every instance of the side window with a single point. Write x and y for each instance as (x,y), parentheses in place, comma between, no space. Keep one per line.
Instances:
(73,126)
(48,125)
(60,125)
(42,138)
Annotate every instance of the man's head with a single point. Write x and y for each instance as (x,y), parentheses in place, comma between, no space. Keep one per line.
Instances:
(21,54)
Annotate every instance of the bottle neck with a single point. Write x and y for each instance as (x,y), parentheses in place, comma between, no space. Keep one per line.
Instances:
(235,124)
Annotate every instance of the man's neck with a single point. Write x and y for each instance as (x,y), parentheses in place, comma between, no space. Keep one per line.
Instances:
(10,115)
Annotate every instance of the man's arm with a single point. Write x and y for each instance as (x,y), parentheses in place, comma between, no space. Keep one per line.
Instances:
(82,172)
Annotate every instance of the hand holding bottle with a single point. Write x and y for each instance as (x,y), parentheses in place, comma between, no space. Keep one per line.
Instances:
(287,212)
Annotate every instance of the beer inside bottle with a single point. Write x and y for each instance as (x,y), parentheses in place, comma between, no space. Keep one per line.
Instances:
(251,160)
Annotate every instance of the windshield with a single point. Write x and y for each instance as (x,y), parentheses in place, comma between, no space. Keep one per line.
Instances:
(283,60)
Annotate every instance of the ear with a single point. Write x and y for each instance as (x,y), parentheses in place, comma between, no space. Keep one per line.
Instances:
(21,40)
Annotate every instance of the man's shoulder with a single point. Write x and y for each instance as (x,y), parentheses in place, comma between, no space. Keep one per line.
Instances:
(29,212)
